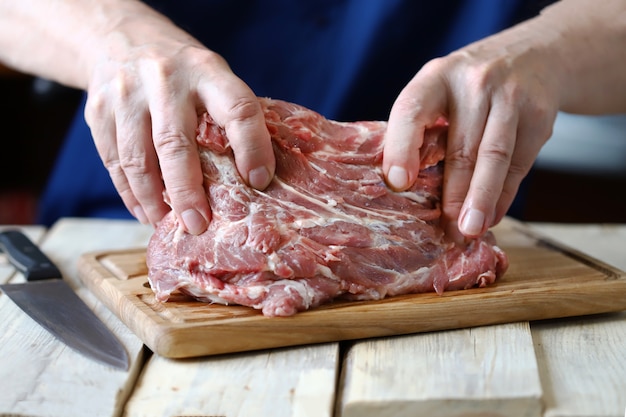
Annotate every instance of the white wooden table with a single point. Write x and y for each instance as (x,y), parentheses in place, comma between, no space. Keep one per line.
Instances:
(559,368)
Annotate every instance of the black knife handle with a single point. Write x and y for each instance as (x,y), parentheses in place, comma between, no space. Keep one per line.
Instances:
(27,257)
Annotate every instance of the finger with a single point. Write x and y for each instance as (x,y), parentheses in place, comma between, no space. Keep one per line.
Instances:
(468,116)
(510,189)
(418,106)
(101,122)
(138,162)
(535,128)
(521,162)
(174,123)
(493,162)
(236,108)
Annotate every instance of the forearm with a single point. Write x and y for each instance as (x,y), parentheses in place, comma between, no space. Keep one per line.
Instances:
(588,39)
(61,40)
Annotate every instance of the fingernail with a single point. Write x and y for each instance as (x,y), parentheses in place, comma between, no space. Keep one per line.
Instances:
(473,222)
(140,214)
(259,178)
(398,178)
(194,222)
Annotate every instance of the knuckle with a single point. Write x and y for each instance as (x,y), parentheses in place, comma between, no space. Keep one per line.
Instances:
(487,192)
(112,164)
(497,152)
(411,109)
(172,142)
(481,77)
(123,85)
(117,174)
(95,107)
(181,194)
(250,149)
(486,75)
(518,170)
(543,117)
(113,167)
(157,67)
(206,58)
(513,93)
(460,157)
(408,104)
(162,67)
(184,191)
(243,109)
(133,164)
(438,65)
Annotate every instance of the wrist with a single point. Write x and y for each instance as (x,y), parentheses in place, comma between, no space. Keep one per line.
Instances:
(588,51)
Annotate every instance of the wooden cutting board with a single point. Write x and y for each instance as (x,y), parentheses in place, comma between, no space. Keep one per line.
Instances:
(545,280)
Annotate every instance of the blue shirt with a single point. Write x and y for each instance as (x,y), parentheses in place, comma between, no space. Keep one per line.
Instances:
(347,59)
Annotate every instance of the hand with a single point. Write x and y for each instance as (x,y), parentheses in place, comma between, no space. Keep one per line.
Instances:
(500,97)
(148,85)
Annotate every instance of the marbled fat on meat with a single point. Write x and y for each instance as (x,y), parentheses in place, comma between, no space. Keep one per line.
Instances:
(326,228)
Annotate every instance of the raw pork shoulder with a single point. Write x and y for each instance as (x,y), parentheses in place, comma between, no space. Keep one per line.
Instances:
(326,228)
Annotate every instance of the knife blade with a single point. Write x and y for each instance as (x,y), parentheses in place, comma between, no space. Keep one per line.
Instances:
(52,303)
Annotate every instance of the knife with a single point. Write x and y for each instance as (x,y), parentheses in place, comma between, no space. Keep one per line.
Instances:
(52,303)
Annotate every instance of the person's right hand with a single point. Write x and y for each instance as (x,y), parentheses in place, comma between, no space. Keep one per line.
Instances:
(147,85)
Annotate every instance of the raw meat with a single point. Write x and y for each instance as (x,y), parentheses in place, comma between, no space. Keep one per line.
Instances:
(326,228)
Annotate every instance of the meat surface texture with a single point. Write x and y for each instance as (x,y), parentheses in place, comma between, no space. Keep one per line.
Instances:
(326,228)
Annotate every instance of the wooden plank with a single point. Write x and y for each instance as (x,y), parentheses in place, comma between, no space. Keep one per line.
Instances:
(583,365)
(583,361)
(543,281)
(40,376)
(487,370)
(294,382)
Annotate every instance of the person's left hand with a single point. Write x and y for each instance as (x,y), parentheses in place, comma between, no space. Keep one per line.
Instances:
(500,97)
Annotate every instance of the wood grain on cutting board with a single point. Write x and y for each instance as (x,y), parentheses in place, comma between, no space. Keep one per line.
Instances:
(545,280)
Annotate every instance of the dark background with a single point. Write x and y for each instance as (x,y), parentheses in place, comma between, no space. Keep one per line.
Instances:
(35,115)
